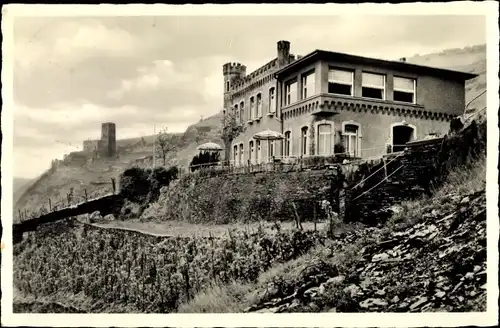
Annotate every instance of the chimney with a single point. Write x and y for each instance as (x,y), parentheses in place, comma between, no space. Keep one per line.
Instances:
(283,53)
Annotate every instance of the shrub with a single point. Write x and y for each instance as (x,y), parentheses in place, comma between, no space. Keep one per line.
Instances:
(204,159)
(143,185)
(135,184)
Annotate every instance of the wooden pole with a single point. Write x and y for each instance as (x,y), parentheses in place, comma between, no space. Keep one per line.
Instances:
(314,215)
(50,205)
(113,183)
(86,197)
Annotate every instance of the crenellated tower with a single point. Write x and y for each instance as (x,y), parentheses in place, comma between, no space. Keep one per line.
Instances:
(232,72)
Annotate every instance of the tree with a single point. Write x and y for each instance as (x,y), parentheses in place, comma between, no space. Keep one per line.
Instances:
(164,145)
(230,130)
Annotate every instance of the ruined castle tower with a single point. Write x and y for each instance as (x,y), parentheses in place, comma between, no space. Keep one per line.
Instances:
(232,73)
(108,139)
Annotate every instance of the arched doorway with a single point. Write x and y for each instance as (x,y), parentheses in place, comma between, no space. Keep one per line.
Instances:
(401,134)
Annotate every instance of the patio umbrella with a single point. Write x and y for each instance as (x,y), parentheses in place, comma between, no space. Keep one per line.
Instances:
(209,146)
(268,135)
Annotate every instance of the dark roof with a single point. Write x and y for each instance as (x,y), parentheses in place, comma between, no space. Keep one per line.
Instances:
(396,65)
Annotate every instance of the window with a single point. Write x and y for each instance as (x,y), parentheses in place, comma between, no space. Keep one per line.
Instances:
(242,111)
(287,144)
(340,82)
(227,86)
(303,142)
(236,113)
(308,85)
(270,150)
(373,86)
(257,153)
(272,100)
(253,113)
(324,139)
(351,139)
(290,92)
(259,105)
(404,90)
(252,150)
(235,155)
(241,154)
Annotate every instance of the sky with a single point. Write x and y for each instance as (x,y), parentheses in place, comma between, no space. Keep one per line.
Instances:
(71,74)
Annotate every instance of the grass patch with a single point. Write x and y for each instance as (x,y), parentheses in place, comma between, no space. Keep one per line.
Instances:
(230,298)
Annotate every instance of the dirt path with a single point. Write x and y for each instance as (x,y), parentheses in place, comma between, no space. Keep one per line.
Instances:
(176,228)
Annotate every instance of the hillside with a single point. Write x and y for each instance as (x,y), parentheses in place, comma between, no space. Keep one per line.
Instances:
(19,186)
(423,259)
(96,177)
(59,183)
(471,60)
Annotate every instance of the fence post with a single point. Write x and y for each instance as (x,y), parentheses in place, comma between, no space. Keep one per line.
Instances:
(113,183)
(50,206)
(20,214)
(314,214)
(86,197)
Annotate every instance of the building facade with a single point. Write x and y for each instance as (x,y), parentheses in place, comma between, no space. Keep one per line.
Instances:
(329,103)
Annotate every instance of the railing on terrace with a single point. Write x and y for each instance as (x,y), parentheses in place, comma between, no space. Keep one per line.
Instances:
(283,163)
(70,200)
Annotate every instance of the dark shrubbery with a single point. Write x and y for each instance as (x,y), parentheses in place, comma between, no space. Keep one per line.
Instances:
(143,185)
(204,159)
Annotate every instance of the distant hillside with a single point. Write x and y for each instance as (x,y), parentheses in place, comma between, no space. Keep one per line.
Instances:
(20,185)
(96,178)
(469,60)
(57,184)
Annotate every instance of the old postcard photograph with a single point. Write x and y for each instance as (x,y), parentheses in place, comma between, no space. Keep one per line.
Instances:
(250,165)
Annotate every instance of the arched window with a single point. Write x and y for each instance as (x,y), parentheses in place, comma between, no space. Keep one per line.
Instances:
(325,139)
(287,144)
(272,100)
(242,111)
(270,149)
(401,133)
(253,112)
(252,151)
(236,113)
(235,154)
(303,141)
(259,106)
(241,157)
(352,139)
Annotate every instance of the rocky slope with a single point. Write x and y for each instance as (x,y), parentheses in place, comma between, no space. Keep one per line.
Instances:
(435,261)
